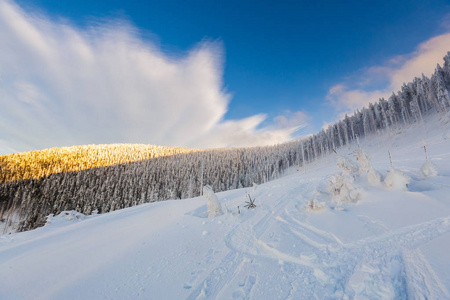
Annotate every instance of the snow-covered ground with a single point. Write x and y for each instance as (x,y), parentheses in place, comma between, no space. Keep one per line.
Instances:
(392,243)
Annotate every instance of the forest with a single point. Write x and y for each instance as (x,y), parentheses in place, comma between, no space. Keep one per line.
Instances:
(37,164)
(26,200)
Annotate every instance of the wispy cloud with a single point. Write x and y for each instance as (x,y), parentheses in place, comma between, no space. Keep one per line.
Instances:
(62,85)
(359,91)
(246,132)
(289,119)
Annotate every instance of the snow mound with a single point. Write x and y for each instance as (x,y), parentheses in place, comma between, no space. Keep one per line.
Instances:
(429,169)
(65,217)
(397,180)
(212,202)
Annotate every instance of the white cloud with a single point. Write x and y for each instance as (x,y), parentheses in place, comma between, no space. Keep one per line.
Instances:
(349,100)
(403,68)
(245,133)
(298,119)
(62,85)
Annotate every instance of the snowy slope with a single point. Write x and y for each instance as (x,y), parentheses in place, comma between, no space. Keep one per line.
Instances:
(390,244)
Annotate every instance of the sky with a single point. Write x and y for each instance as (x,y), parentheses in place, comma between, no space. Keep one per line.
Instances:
(203,74)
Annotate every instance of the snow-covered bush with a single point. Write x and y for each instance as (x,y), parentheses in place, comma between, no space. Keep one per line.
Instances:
(315,205)
(363,161)
(212,202)
(397,180)
(343,190)
(64,217)
(347,166)
(428,169)
(373,177)
(367,170)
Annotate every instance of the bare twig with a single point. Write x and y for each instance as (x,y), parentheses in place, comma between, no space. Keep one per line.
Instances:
(426,154)
(390,159)
(250,203)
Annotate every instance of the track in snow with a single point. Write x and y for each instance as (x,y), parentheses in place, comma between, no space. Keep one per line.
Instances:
(319,265)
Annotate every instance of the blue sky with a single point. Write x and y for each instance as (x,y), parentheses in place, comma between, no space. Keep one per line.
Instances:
(292,63)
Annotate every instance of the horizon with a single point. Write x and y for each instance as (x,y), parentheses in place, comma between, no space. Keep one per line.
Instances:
(203,75)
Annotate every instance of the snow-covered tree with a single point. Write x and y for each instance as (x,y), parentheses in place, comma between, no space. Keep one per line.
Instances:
(367,170)
(347,166)
(428,169)
(212,202)
(343,190)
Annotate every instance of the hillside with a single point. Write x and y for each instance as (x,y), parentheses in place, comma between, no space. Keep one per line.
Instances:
(389,244)
(24,204)
(37,164)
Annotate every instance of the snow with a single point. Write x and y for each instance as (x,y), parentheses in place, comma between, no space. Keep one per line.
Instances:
(390,244)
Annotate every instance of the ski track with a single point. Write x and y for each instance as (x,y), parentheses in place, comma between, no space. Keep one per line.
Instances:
(386,265)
